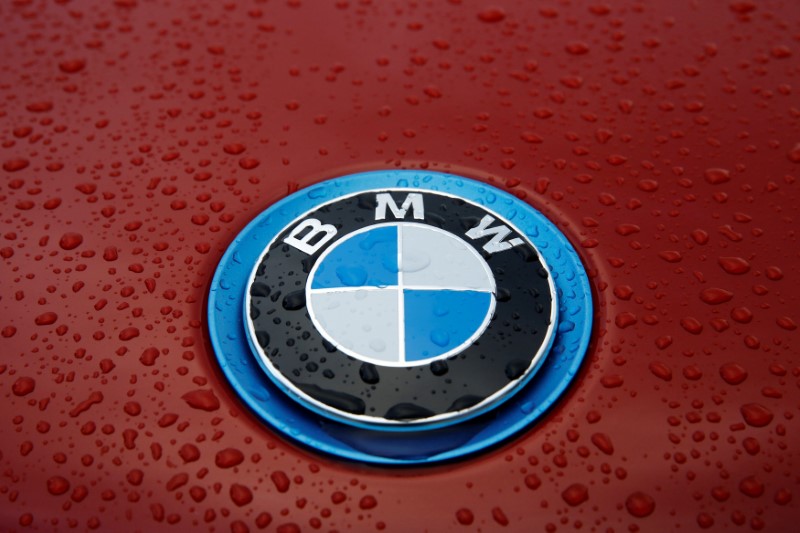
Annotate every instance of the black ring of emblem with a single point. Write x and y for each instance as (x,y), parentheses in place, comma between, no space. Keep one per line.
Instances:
(355,391)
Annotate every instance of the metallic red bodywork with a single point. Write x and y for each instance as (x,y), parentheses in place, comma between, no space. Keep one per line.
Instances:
(139,137)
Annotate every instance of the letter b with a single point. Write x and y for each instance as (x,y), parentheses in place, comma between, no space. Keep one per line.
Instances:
(315,228)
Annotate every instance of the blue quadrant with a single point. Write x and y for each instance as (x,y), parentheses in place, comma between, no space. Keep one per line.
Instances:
(437,321)
(367,259)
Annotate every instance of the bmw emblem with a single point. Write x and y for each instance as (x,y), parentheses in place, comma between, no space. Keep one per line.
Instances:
(400,317)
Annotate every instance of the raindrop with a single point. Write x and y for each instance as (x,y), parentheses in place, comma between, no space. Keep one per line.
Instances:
(280,480)
(23,386)
(733,373)
(575,494)
(492,15)
(228,458)
(756,414)
(640,504)
(203,399)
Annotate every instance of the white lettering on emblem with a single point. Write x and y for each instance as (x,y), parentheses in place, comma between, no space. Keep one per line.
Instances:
(315,228)
(413,201)
(498,233)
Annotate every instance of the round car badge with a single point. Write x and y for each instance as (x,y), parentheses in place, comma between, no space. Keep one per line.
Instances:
(400,317)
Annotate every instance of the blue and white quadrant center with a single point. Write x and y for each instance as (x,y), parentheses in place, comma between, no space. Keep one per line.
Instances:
(401,294)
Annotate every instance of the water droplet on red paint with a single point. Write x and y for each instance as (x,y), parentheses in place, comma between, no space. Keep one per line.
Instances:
(110,253)
(774,273)
(57,485)
(263,520)
(492,14)
(734,265)
(742,7)
(94,398)
(23,386)
(132,408)
(240,495)
(577,48)
(128,334)
(432,91)
(189,453)
(203,399)
(234,149)
(464,516)
(781,51)
(499,516)
(700,236)
(720,494)
(750,486)
(228,458)
(532,481)
(249,163)
(149,356)
(45,319)
(794,154)
(39,107)
(627,229)
(742,315)
(603,443)
(574,82)
(368,502)
(705,520)
(611,381)
(575,494)
(530,137)
(756,414)
(664,342)
(70,241)
(14,165)
(129,438)
(692,372)
(716,176)
(751,445)
(783,496)
(660,370)
(692,325)
(625,319)
(648,185)
(280,480)
(71,66)
(733,373)
(640,504)
(177,481)
(715,296)
(670,256)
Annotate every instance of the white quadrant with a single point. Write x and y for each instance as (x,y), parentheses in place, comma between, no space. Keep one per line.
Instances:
(360,321)
(437,259)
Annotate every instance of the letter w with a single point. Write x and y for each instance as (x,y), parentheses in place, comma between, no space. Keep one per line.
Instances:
(498,234)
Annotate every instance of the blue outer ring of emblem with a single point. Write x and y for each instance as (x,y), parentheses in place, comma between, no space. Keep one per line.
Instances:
(229,335)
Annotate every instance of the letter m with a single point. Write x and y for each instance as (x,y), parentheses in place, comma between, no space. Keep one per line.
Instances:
(413,201)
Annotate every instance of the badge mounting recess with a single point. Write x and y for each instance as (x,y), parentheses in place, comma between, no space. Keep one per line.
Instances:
(337,316)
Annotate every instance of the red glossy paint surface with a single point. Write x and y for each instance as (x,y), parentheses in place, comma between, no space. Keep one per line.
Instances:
(139,137)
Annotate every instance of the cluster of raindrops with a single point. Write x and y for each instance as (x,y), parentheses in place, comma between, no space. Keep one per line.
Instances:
(137,140)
